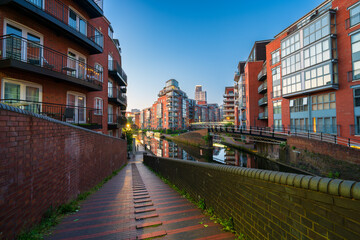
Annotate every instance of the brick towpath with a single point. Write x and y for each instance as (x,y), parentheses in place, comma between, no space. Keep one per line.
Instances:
(136,204)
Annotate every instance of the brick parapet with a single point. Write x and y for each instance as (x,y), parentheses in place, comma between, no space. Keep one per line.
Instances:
(46,162)
(268,204)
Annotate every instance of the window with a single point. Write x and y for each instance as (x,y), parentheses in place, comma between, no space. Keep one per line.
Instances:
(110,114)
(290,45)
(98,106)
(291,64)
(299,124)
(77,22)
(110,89)
(292,84)
(355,50)
(275,57)
(99,70)
(26,95)
(354,15)
(299,105)
(98,38)
(323,101)
(277,124)
(317,53)
(277,107)
(76,65)
(276,82)
(111,32)
(318,77)
(76,101)
(110,62)
(357,97)
(37,3)
(317,30)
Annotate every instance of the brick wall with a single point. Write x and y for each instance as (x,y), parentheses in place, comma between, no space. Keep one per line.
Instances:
(267,204)
(45,162)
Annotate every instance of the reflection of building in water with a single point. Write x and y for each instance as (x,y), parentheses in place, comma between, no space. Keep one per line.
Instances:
(229,157)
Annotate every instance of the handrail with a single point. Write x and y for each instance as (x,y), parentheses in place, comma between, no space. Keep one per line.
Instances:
(60,11)
(21,49)
(113,65)
(280,132)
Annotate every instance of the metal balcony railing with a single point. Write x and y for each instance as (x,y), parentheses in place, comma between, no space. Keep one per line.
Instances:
(61,11)
(262,87)
(21,49)
(116,93)
(83,116)
(263,101)
(114,66)
(262,74)
(116,119)
(263,115)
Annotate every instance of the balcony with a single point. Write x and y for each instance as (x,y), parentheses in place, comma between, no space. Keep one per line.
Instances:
(263,116)
(116,96)
(19,53)
(229,95)
(117,72)
(263,101)
(115,121)
(229,104)
(263,87)
(226,100)
(93,7)
(85,117)
(236,76)
(55,15)
(262,74)
(228,110)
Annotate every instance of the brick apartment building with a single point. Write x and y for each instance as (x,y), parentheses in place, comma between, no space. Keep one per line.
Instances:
(314,68)
(229,105)
(59,59)
(174,110)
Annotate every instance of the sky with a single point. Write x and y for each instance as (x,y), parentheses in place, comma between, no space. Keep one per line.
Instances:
(197,42)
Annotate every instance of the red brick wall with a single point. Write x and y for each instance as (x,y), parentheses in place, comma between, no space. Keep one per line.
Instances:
(46,163)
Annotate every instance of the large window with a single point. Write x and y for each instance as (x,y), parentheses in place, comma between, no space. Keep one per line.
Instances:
(290,45)
(98,106)
(355,50)
(317,53)
(299,105)
(291,64)
(357,97)
(275,57)
(77,22)
(323,101)
(77,102)
(355,15)
(317,30)
(276,82)
(100,70)
(292,84)
(277,107)
(318,77)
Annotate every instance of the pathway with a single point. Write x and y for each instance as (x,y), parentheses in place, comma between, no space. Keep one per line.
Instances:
(136,204)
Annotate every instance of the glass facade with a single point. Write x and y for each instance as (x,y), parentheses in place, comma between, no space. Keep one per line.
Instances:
(317,30)
(355,54)
(290,45)
(354,15)
(275,57)
(276,82)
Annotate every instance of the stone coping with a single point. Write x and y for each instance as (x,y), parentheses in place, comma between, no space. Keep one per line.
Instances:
(336,187)
(28,113)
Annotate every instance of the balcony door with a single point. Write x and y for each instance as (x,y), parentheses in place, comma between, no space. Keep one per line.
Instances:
(76,112)
(23,44)
(76,65)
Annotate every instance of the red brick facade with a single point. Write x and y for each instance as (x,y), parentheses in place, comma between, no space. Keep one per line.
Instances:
(46,163)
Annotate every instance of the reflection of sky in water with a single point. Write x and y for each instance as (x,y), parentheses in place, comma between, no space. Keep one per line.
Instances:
(219,154)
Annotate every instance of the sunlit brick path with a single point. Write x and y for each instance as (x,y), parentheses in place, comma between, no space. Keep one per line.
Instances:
(136,204)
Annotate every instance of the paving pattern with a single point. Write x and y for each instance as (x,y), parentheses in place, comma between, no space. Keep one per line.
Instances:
(136,204)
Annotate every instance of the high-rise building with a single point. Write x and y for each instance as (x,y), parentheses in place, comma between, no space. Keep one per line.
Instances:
(229,105)
(200,95)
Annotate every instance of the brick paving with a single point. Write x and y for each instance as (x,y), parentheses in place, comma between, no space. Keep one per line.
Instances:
(136,204)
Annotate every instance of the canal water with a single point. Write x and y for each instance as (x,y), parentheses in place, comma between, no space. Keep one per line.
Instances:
(220,155)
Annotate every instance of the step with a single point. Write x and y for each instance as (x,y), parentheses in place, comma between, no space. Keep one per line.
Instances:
(146,216)
(144,205)
(145,210)
(150,224)
(143,201)
(152,235)
(141,197)
(140,194)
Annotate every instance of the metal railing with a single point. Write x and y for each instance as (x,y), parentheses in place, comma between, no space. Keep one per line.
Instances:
(353,20)
(116,119)
(113,65)
(281,133)
(114,92)
(263,101)
(100,3)
(61,12)
(21,49)
(262,74)
(88,117)
(263,115)
(262,87)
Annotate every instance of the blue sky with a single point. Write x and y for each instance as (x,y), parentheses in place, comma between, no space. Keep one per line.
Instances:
(197,42)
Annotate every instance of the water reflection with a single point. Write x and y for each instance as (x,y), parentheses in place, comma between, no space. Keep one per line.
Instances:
(221,154)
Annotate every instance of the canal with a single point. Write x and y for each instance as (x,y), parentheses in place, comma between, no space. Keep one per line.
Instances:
(220,154)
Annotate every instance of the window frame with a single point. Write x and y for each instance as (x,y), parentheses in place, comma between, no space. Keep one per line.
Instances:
(98,111)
